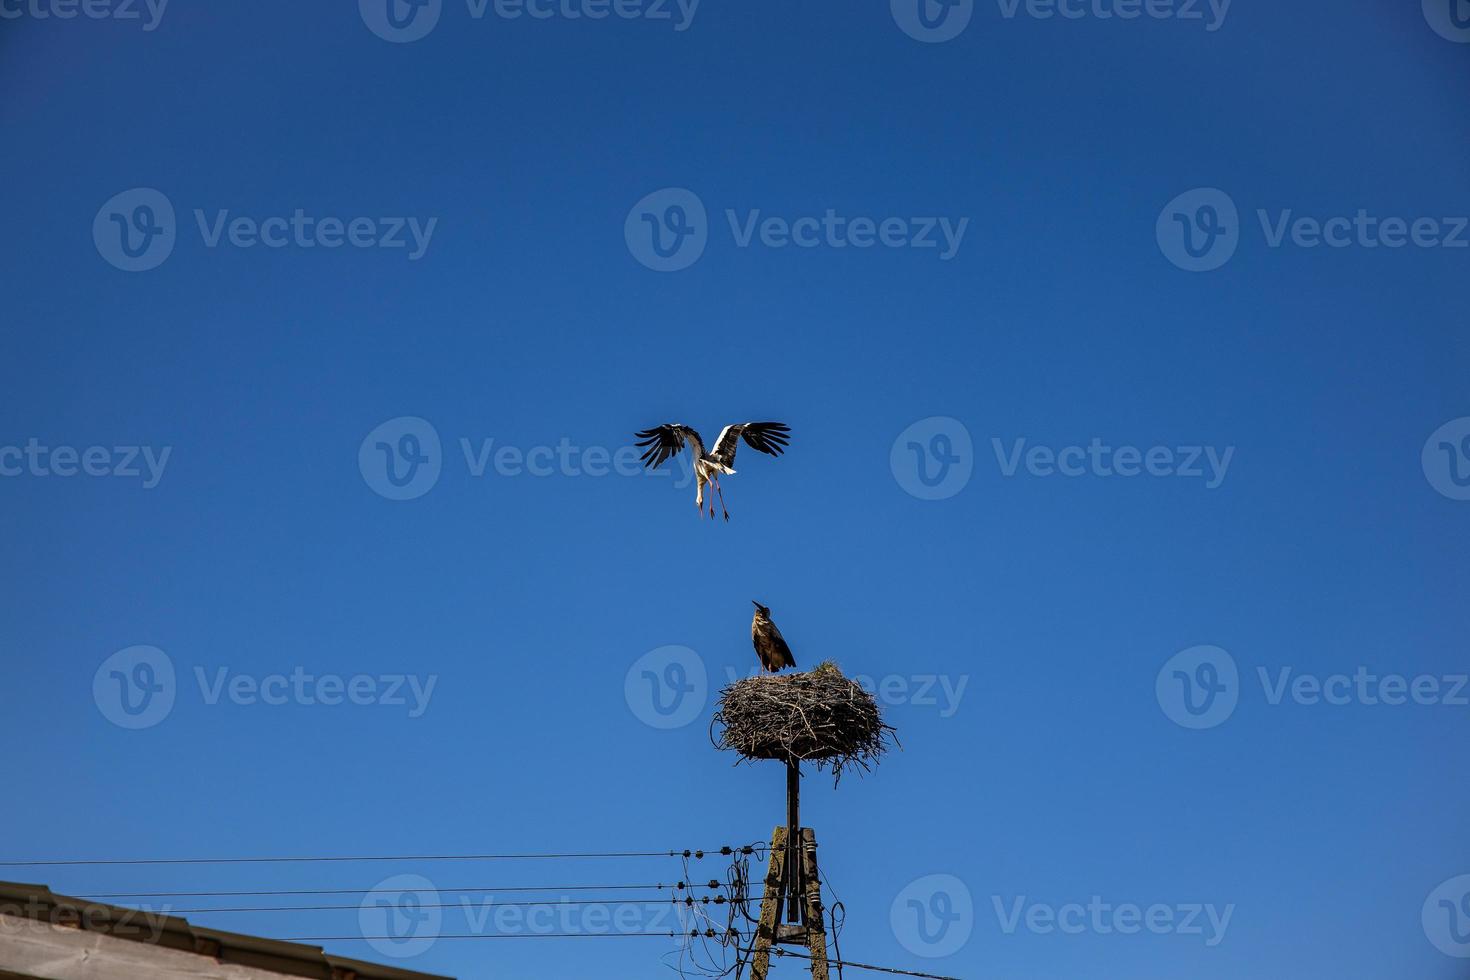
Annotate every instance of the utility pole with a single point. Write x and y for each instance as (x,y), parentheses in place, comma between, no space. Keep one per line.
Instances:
(793,886)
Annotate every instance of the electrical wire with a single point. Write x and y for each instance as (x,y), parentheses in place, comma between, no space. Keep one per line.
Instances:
(779,951)
(719,900)
(727,939)
(377,857)
(363,891)
(838,921)
(498,935)
(837,915)
(707,953)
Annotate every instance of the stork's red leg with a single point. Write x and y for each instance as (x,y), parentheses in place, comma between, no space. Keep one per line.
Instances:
(721,492)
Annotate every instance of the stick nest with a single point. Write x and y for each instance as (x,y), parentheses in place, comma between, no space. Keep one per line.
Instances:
(819,716)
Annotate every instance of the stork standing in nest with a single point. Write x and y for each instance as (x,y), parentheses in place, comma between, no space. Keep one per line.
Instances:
(770,645)
(666,440)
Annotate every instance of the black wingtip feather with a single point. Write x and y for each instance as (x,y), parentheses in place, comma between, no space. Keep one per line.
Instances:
(767,437)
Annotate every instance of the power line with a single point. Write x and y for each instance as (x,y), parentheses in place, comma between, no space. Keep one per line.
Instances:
(375,857)
(657,900)
(502,935)
(363,891)
(778,951)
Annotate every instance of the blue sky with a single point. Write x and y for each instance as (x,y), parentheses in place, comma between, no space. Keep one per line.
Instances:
(1025,621)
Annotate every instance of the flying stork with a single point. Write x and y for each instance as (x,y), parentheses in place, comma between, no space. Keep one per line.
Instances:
(665,440)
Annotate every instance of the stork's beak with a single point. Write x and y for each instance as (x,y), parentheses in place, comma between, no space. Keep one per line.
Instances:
(754,603)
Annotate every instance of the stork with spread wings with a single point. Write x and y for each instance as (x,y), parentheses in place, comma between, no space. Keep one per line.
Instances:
(666,440)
